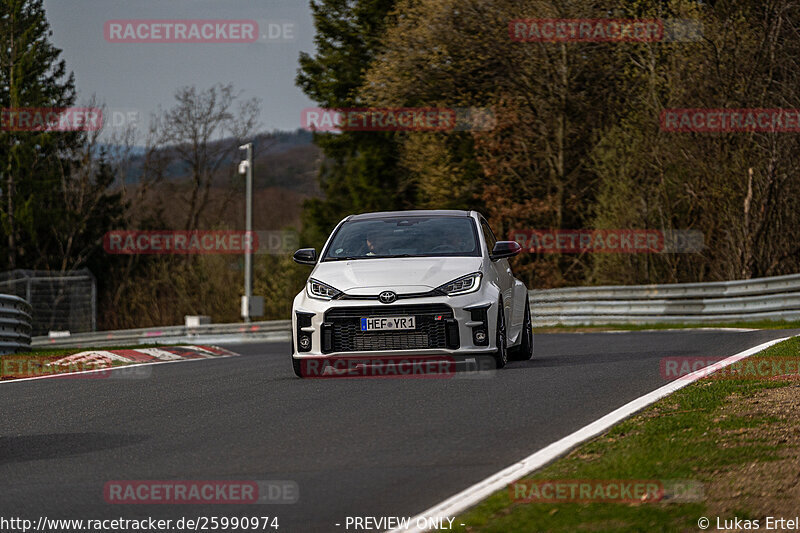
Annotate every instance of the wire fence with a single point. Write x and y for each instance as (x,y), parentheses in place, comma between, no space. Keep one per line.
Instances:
(59,301)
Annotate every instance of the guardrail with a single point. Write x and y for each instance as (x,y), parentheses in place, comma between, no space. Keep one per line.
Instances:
(277,330)
(776,298)
(15,324)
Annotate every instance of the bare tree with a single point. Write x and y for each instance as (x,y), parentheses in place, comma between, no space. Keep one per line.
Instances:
(203,132)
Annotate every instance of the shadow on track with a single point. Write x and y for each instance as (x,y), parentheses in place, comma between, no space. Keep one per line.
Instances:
(56,445)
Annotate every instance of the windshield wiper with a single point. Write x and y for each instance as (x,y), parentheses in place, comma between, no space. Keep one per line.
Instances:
(394,256)
(352,258)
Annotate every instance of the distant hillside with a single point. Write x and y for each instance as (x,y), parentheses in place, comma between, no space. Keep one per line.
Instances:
(285,174)
(291,163)
(284,158)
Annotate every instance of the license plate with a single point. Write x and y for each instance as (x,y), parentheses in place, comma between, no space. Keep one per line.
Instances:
(388,323)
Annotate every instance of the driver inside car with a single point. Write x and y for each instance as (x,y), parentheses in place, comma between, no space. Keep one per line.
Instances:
(374,244)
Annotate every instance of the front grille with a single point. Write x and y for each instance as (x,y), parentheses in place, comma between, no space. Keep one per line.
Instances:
(346,334)
(375,297)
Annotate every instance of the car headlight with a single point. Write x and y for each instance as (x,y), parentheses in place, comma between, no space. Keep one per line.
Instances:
(317,289)
(462,285)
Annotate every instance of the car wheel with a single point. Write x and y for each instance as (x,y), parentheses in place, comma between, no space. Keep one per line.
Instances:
(524,351)
(501,354)
(296,364)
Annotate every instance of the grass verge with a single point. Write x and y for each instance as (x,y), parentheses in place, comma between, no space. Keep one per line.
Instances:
(738,439)
(35,363)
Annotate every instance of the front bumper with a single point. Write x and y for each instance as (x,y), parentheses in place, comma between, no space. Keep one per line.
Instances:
(446,325)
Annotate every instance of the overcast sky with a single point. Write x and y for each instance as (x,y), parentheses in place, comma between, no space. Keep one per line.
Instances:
(135,78)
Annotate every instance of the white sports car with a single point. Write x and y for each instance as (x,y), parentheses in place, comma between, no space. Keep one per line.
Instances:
(421,283)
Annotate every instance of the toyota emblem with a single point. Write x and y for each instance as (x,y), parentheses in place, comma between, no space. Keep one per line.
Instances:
(387,297)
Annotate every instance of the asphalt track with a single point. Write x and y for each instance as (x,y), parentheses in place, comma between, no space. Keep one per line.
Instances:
(355,447)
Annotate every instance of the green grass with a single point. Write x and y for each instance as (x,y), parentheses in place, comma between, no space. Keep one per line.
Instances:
(761,324)
(679,437)
(33,363)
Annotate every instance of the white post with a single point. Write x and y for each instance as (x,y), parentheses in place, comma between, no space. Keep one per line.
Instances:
(248,253)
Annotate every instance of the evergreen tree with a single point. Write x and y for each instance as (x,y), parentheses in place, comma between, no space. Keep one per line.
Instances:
(361,169)
(54,190)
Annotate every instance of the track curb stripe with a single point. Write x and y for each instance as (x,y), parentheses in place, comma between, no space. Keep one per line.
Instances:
(138,357)
(147,355)
(469,497)
(133,355)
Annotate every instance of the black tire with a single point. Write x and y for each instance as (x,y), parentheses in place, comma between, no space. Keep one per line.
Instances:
(501,354)
(524,351)
(296,364)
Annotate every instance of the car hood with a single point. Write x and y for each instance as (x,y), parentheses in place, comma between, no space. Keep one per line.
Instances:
(402,275)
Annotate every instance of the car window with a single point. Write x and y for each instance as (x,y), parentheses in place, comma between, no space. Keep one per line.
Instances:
(488,236)
(404,237)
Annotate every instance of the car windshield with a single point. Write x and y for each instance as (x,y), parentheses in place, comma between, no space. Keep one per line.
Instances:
(404,237)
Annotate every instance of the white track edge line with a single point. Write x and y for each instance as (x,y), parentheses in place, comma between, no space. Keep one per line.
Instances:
(111,369)
(479,491)
(620,331)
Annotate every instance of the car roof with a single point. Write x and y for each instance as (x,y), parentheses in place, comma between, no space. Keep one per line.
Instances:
(412,213)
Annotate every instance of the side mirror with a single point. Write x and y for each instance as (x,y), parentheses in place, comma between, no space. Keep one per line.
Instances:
(305,256)
(503,249)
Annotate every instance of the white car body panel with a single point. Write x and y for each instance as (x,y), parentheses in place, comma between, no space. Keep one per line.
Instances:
(404,274)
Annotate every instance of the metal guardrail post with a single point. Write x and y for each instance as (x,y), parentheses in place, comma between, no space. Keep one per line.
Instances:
(94,304)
